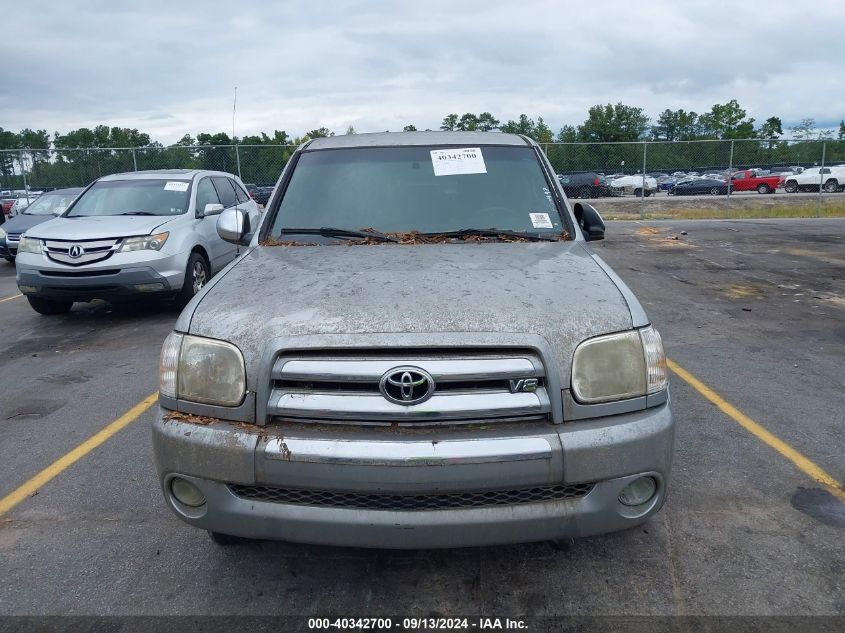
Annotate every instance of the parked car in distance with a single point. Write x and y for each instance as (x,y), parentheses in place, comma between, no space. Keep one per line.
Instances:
(634,184)
(831,179)
(696,186)
(44,207)
(586,185)
(425,355)
(748,180)
(145,233)
(261,193)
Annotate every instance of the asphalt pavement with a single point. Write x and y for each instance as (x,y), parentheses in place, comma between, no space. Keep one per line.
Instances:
(755,309)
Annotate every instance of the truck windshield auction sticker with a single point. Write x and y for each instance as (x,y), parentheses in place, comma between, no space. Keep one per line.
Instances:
(465,160)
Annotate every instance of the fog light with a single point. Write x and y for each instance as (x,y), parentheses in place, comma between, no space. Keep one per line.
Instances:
(28,290)
(638,491)
(149,287)
(186,492)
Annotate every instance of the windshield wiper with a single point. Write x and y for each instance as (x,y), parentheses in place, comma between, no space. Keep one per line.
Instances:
(545,237)
(136,213)
(328,231)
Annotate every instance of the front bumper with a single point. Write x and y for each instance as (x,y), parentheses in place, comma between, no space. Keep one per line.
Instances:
(87,285)
(607,453)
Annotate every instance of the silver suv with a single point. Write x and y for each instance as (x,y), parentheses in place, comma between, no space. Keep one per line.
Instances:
(418,349)
(134,234)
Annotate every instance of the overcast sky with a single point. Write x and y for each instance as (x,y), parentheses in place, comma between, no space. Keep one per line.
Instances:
(167,68)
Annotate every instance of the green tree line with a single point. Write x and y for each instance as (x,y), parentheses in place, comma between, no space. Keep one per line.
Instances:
(608,139)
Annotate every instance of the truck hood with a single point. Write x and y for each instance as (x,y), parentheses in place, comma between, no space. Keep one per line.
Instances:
(23,222)
(100,227)
(408,296)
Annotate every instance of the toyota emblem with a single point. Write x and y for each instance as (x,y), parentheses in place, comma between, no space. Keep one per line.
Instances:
(76,251)
(406,385)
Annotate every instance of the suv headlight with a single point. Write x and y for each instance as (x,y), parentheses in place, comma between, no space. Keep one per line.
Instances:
(145,242)
(2,232)
(202,370)
(619,366)
(29,245)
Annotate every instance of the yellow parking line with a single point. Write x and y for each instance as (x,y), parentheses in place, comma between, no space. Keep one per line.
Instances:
(10,298)
(802,462)
(67,460)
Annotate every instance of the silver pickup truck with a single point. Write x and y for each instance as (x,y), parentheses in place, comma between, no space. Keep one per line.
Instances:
(417,349)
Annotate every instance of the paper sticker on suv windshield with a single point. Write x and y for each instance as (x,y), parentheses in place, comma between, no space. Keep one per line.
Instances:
(465,160)
(541,221)
(176,185)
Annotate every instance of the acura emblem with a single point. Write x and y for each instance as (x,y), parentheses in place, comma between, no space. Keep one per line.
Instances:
(406,385)
(76,251)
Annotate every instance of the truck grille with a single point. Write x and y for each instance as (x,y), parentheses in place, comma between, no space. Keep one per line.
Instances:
(91,250)
(443,501)
(469,386)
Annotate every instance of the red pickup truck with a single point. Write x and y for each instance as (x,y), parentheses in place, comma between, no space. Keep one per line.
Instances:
(748,180)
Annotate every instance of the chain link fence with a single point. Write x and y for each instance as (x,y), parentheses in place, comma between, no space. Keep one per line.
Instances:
(677,174)
(685,178)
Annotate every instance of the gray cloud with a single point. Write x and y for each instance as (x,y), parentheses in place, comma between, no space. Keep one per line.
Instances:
(169,68)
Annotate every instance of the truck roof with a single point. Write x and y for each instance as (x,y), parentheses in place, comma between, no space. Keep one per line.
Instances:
(396,139)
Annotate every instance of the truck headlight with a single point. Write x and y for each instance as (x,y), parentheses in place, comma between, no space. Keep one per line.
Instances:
(202,370)
(145,242)
(619,366)
(29,245)
(2,233)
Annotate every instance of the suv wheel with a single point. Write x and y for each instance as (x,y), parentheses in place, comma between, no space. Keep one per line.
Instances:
(638,192)
(763,188)
(585,192)
(197,275)
(714,191)
(49,306)
(791,186)
(831,186)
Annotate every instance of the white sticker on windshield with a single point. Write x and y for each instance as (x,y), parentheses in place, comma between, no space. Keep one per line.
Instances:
(176,185)
(541,221)
(465,160)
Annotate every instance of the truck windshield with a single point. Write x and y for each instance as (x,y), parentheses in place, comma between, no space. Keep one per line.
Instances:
(419,188)
(133,197)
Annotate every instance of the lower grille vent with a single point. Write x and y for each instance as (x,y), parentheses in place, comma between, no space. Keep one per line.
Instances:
(440,501)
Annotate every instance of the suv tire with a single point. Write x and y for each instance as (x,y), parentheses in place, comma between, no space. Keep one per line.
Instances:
(49,306)
(585,192)
(831,186)
(791,186)
(197,274)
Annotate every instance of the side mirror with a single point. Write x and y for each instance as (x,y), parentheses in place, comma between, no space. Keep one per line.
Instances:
(233,226)
(212,209)
(590,221)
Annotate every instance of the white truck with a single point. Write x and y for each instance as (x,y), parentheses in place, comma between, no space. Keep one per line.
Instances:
(831,179)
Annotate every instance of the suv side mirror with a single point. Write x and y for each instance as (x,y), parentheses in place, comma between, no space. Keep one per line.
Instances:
(212,208)
(590,221)
(233,226)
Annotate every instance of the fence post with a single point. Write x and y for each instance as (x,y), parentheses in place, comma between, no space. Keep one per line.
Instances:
(730,167)
(134,160)
(23,173)
(238,159)
(821,179)
(642,185)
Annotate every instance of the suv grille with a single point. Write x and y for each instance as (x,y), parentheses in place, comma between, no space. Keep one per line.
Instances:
(91,250)
(327,499)
(470,386)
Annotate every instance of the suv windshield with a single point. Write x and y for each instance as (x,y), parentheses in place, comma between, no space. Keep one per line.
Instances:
(133,197)
(396,189)
(49,203)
